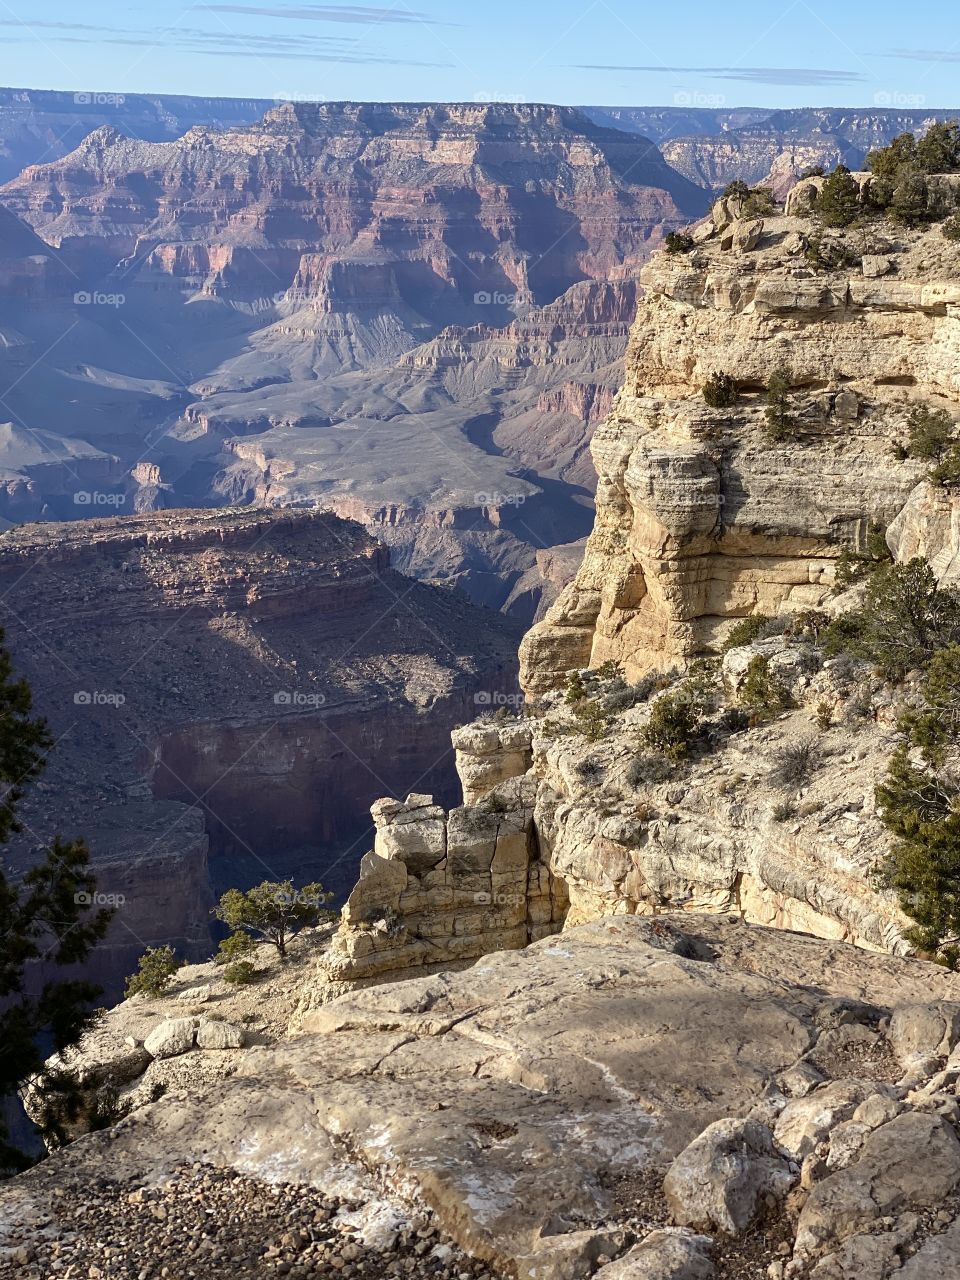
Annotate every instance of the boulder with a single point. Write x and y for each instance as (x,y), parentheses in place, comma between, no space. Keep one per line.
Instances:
(668,1254)
(171,1038)
(801,197)
(911,1163)
(805,1122)
(875,265)
(722,1178)
(922,1031)
(212,1034)
(196,995)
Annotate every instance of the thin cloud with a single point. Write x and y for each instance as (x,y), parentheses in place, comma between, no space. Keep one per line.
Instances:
(751,75)
(359,15)
(924,55)
(300,48)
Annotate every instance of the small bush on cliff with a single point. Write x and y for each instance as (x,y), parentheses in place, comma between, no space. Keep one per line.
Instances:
(720,391)
(838,202)
(929,432)
(905,619)
(155,971)
(677,718)
(886,161)
(795,763)
(235,947)
(735,188)
(746,631)
(240,973)
(829,254)
(781,423)
(762,693)
(676,242)
(575,690)
(759,203)
(274,912)
(951,228)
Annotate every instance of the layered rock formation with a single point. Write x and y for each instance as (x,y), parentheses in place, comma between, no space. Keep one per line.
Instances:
(38,125)
(714,146)
(700,518)
(229,693)
(410,315)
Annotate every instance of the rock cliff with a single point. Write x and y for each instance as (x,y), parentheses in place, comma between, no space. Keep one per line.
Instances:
(229,692)
(395,312)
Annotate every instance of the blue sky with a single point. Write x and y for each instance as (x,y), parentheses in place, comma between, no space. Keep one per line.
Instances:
(758,52)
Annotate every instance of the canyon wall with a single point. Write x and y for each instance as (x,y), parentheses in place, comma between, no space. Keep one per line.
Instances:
(393,311)
(229,692)
(703,520)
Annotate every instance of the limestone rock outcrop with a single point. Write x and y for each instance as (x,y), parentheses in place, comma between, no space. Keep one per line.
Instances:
(533,1105)
(701,519)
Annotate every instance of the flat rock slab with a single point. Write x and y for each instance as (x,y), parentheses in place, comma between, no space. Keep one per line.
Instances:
(519,1098)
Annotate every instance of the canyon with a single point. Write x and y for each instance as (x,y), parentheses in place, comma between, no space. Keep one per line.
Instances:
(228,692)
(401,313)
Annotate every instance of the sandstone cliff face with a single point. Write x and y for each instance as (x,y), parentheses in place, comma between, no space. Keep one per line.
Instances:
(700,519)
(230,692)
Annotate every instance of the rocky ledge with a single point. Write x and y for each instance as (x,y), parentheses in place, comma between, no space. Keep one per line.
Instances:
(679,1097)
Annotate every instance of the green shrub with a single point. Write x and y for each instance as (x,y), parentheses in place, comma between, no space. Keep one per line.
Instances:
(677,242)
(720,391)
(154,974)
(240,973)
(829,255)
(735,188)
(759,203)
(852,566)
(761,693)
(909,202)
(838,201)
(592,719)
(781,424)
(576,690)
(886,161)
(947,470)
(273,912)
(746,630)
(795,763)
(824,713)
(938,151)
(674,725)
(929,430)
(951,228)
(235,947)
(905,619)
